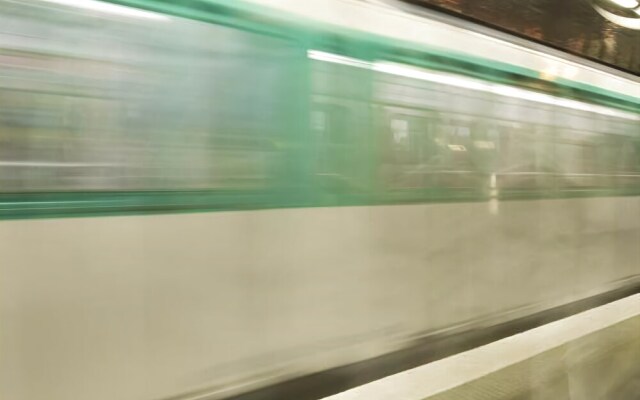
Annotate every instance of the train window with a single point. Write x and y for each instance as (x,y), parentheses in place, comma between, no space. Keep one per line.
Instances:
(456,168)
(526,155)
(576,160)
(469,155)
(423,150)
(627,164)
(629,160)
(48,145)
(166,109)
(410,149)
(339,129)
(330,122)
(486,144)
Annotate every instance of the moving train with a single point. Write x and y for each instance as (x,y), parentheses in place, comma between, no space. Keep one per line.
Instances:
(199,199)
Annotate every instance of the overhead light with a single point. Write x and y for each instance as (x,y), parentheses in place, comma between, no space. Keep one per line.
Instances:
(631,23)
(109,8)
(469,83)
(625,3)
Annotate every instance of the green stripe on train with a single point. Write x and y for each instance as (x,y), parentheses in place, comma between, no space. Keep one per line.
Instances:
(77,205)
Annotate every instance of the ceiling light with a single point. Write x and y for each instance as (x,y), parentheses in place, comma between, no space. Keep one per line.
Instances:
(626,3)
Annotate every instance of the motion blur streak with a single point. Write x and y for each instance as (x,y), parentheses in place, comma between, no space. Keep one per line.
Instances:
(237,194)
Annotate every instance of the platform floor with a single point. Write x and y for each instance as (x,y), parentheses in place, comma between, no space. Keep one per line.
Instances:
(593,355)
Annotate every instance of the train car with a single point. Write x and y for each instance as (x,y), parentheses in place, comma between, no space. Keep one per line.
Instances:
(203,198)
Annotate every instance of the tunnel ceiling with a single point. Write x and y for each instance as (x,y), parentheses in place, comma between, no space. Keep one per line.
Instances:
(596,29)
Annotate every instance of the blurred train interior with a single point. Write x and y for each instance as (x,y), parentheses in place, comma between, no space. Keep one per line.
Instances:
(284,199)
